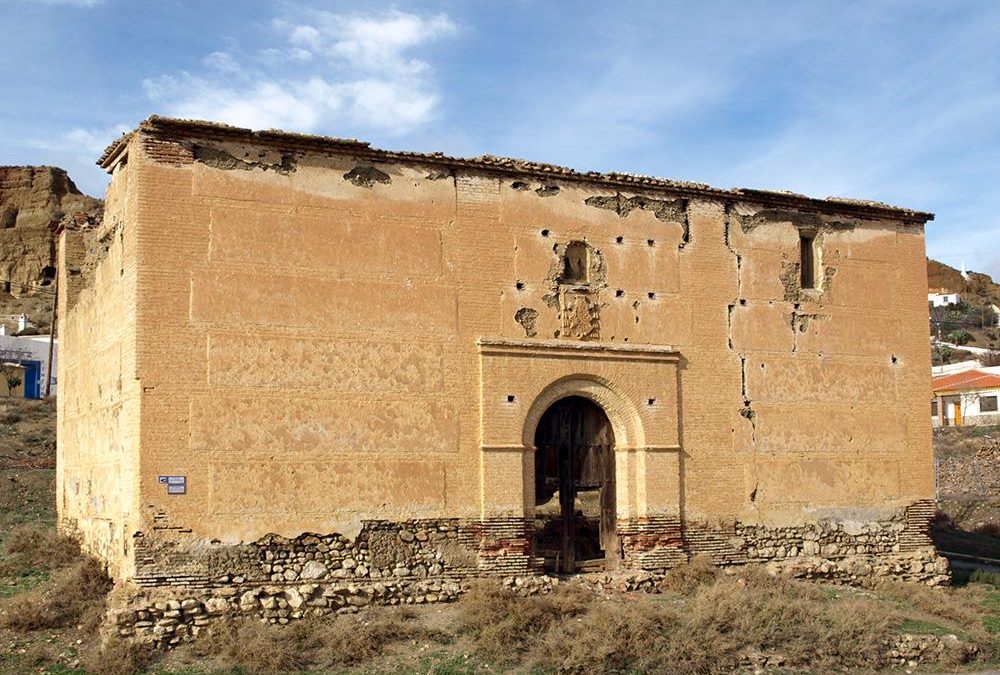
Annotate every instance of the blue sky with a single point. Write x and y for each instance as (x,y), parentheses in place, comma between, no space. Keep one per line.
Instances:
(892,100)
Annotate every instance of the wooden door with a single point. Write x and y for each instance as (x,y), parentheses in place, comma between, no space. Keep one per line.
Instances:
(574,466)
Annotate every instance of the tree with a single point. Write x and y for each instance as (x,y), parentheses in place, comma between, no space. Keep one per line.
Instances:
(960,337)
(12,376)
(941,355)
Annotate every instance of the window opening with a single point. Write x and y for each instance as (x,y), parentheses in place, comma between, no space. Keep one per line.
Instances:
(576,263)
(807,259)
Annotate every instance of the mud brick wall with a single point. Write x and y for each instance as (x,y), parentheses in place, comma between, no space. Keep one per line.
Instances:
(315,336)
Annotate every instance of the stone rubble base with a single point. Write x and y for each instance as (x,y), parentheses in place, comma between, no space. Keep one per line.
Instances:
(168,616)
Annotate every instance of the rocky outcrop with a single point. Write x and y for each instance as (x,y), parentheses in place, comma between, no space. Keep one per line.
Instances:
(32,200)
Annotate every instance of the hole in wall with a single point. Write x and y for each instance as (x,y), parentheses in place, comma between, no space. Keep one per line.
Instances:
(576,263)
(510,398)
(619,240)
(519,285)
(651,401)
(619,293)
(651,295)
(650,242)
(545,233)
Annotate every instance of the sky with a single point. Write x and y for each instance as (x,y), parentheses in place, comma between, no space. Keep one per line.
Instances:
(891,100)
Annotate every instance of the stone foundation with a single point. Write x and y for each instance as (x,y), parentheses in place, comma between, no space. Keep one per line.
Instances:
(164,619)
(182,584)
(409,550)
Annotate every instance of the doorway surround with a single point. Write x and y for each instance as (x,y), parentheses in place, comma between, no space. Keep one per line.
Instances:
(637,386)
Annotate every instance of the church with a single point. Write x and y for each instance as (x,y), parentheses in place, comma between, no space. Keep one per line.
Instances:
(292,358)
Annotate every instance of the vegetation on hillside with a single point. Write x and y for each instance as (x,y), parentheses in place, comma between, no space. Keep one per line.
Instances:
(970,322)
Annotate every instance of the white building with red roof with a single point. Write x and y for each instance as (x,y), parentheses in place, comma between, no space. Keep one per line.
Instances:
(966,398)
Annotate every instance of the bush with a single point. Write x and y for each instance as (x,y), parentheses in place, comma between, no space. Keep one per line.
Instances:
(960,337)
(74,595)
(29,548)
(504,626)
(990,358)
(117,657)
(615,637)
(258,648)
(687,579)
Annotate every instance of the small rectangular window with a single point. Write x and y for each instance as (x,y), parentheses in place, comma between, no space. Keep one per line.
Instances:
(934,411)
(807,260)
(987,404)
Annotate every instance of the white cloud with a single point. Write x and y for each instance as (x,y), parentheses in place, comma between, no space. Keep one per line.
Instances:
(330,72)
(222,62)
(83,142)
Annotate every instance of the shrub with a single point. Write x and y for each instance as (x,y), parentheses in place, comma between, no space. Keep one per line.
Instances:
(503,626)
(614,637)
(960,337)
(74,595)
(351,640)
(766,614)
(117,657)
(28,548)
(687,579)
(259,648)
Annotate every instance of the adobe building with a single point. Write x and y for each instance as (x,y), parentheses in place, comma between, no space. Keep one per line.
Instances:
(291,357)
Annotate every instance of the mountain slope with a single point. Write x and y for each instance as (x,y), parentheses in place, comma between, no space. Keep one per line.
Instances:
(32,200)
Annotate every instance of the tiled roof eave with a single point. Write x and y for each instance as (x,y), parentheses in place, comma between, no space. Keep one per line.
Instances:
(509,167)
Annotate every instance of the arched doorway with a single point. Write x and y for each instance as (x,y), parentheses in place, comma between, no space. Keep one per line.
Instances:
(575,487)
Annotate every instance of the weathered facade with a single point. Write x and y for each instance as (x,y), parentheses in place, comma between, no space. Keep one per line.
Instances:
(292,358)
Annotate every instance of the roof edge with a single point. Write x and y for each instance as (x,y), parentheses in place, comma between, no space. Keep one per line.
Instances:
(505,166)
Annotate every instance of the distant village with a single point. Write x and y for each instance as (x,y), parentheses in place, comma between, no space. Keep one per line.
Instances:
(965,347)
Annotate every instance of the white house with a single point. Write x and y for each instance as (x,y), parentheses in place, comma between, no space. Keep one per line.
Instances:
(966,398)
(31,352)
(943,299)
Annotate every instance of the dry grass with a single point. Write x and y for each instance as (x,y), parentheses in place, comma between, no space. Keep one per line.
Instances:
(613,637)
(722,623)
(27,433)
(687,579)
(504,626)
(259,649)
(256,648)
(771,615)
(73,596)
(957,605)
(727,622)
(116,657)
(31,548)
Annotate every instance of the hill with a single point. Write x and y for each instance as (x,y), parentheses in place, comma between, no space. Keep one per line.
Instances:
(978,285)
(971,322)
(33,199)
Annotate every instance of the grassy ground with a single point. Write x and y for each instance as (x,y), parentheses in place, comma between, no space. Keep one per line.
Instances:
(703,621)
